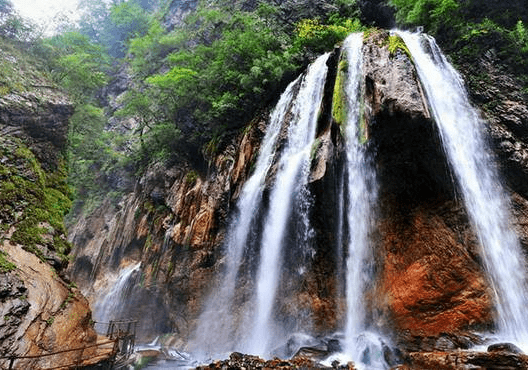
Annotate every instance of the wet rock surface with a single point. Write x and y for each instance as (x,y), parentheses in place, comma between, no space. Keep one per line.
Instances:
(504,106)
(174,223)
(465,360)
(14,305)
(431,281)
(241,361)
(41,315)
(40,312)
(429,287)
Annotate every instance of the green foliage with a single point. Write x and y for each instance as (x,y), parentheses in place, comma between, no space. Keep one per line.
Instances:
(149,50)
(19,70)
(13,27)
(211,84)
(339,102)
(113,24)
(396,43)
(511,45)
(191,177)
(467,29)
(143,362)
(127,20)
(315,148)
(320,37)
(75,63)
(173,80)
(519,36)
(5,265)
(93,154)
(161,142)
(86,148)
(431,14)
(31,200)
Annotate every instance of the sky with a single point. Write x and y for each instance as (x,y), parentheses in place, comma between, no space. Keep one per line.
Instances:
(43,12)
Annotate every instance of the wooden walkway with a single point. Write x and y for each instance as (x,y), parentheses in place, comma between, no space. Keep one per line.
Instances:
(108,350)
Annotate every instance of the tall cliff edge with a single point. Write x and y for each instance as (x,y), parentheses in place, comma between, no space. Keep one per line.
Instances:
(40,311)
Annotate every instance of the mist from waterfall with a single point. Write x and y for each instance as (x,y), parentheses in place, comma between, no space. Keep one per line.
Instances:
(109,306)
(462,133)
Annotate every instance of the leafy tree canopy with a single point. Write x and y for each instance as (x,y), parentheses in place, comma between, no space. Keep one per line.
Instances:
(468,28)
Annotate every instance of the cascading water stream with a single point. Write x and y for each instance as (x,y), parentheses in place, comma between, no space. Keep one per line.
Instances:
(461,132)
(109,307)
(361,195)
(218,317)
(292,176)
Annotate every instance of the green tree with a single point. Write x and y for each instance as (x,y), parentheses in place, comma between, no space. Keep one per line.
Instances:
(208,86)
(127,20)
(433,14)
(15,27)
(113,25)
(86,152)
(319,37)
(77,64)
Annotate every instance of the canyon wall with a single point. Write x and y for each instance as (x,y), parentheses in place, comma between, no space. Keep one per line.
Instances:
(41,311)
(428,291)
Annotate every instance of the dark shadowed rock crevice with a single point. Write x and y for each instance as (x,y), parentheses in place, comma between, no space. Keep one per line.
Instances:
(41,118)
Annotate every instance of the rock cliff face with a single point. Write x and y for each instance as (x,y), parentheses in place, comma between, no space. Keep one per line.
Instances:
(39,311)
(41,118)
(174,223)
(429,290)
(430,280)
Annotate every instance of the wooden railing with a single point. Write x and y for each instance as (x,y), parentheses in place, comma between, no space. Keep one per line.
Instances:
(122,330)
(79,360)
(120,342)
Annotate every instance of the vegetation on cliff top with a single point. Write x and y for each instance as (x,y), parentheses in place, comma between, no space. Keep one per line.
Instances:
(189,86)
(193,84)
(202,80)
(468,29)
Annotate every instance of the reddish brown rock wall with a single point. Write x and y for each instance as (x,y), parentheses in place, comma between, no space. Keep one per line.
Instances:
(430,280)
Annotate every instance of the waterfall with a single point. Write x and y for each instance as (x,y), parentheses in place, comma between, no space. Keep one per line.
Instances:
(463,140)
(218,315)
(361,195)
(109,307)
(291,178)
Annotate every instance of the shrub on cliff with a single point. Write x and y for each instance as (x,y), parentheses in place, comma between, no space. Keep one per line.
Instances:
(208,76)
(468,29)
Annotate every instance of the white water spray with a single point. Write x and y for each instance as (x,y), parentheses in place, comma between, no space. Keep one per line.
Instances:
(109,307)
(463,139)
(361,196)
(292,176)
(218,315)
